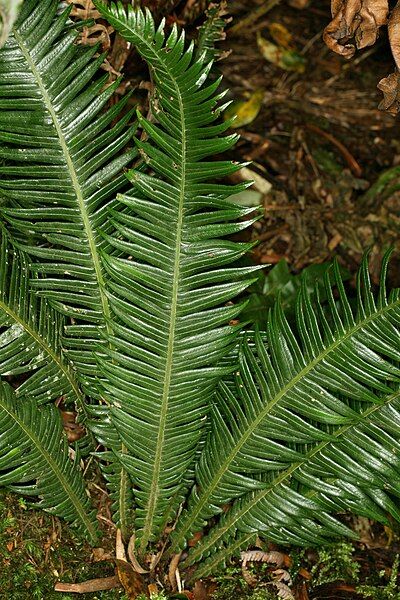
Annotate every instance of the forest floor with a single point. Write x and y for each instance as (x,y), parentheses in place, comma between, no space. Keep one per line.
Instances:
(327,165)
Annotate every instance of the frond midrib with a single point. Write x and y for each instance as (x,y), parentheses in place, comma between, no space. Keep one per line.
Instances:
(74,179)
(287,474)
(290,385)
(154,487)
(64,482)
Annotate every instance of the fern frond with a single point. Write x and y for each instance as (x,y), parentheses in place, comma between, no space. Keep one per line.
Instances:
(169,295)
(211,32)
(62,167)
(313,426)
(34,461)
(30,334)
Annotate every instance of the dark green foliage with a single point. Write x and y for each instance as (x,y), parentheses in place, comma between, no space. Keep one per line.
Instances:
(34,461)
(30,336)
(63,167)
(122,304)
(312,425)
(169,331)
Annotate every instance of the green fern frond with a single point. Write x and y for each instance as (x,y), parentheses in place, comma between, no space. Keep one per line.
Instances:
(30,333)
(34,461)
(211,32)
(313,426)
(169,295)
(62,167)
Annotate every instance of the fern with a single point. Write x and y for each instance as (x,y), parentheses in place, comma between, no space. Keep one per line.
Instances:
(169,328)
(33,462)
(211,32)
(120,293)
(313,427)
(30,336)
(62,168)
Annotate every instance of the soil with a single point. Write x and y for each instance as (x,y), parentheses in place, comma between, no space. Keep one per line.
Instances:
(320,140)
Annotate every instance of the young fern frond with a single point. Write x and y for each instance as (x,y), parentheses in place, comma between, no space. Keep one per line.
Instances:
(62,167)
(211,32)
(30,334)
(168,299)
(34,461)
(312,426)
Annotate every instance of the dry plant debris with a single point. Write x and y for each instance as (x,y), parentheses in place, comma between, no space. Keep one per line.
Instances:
(98,32)
(355,25)
(358,19)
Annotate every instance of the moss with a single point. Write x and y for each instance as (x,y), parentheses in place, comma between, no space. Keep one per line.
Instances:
(335,563)
(389,592)
(38,550)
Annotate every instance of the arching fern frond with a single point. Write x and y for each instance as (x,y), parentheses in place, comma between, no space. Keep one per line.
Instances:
(34,461)
(312,426)
(169,295)
(62,166)
(30,334)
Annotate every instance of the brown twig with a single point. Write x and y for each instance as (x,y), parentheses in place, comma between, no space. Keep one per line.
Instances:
(349,158)
(253,16)
(92,585)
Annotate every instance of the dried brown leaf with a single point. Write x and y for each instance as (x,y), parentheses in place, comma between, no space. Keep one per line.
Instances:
(390,86)
(282,575)
(275,557)
(249,578)
(132,557)
(200,591)
(131,581)
(394,33)
(73,430)
(83,10)
(173,567)
(283,590)
(358,19)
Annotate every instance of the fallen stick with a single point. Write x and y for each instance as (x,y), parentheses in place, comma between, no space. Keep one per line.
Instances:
(92,585)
